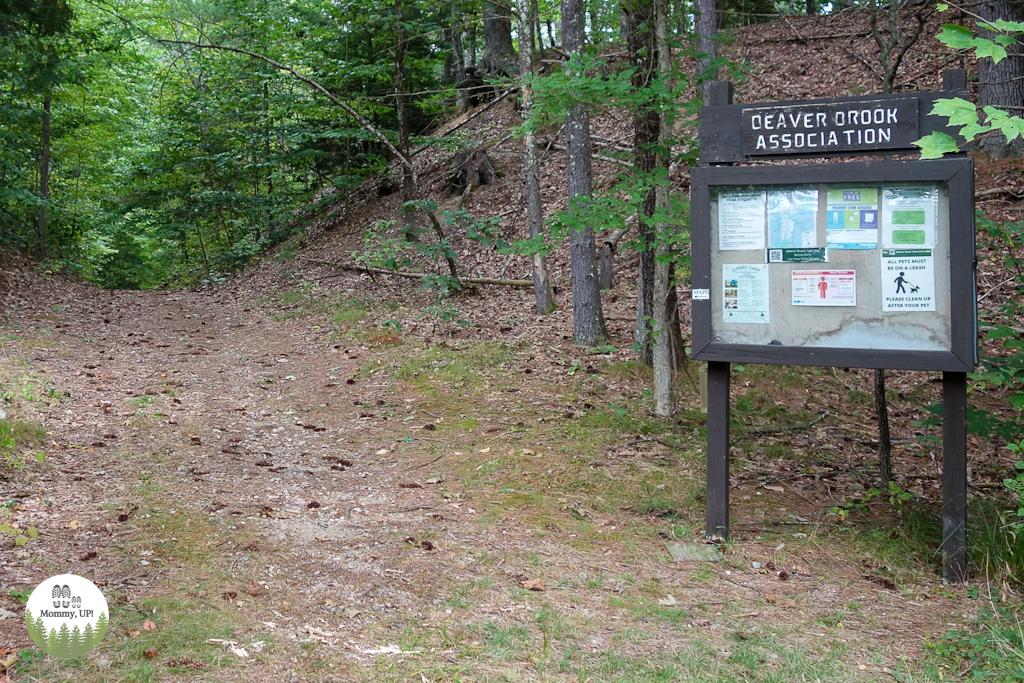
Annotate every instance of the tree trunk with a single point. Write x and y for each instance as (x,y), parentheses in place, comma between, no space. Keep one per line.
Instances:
(884,441)
(643,57)
(706,45)
(588,318)
(664,354)
(1002,84)
(551,34)
(408,182)
(44,176)
(531,166)
(812,8)
(538,39)
(499,53)
(458,55)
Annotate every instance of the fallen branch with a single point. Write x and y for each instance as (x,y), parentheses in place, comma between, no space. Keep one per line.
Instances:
(472,116)
(420,276)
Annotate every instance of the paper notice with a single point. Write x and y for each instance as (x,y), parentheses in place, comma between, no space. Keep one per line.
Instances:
(909,217)
(824,287)
(740,221)
(745,293)
(792,219)
(852,218)
(908,280)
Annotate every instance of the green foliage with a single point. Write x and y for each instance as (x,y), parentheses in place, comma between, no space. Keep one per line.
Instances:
(962,114)
(994,651)
(1015,522)
(172,164)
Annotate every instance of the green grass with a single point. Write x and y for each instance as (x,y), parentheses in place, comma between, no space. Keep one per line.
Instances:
(993,650)
(27,434)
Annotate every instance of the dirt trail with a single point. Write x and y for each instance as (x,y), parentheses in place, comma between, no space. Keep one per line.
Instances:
(213,459)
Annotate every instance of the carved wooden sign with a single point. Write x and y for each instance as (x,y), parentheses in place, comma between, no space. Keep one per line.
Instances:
(825,128)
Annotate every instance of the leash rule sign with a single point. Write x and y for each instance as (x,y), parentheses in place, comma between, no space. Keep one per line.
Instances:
(830,127)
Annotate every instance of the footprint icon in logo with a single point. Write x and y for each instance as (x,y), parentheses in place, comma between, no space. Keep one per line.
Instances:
(65,594)
(56,593)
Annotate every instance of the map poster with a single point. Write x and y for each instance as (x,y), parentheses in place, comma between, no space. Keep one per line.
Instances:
(740,221)
(745,293)
(824,287)
(852,218)
(792,219)
(909,217)
(908,280)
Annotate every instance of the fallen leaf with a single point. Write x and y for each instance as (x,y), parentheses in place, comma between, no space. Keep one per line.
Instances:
(410,485)
(135,634)
(383,451)
(668,601)
(771,598)
(75,524)
(148,625)
(777,489)
(485,450)
(533,585)
(149,653)
(254,588)
(8,661)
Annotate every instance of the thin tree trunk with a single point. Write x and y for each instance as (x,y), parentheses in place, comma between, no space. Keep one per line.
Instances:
(551,34)
(44,177)
(644,58)
(588,318)
(458,54)
(664,355)
(884,440)
(538,40)
(1002,84)
(812,8)
(408,182)
(531,167)
(706,45)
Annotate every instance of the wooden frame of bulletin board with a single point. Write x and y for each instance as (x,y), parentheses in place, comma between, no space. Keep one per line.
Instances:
(941,336)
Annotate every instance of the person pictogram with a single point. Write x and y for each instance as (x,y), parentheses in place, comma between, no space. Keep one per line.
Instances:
(822,287)
(900,281)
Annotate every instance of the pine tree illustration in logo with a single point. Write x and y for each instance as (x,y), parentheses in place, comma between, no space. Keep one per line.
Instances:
(63,648)
(88,636)
(101,629)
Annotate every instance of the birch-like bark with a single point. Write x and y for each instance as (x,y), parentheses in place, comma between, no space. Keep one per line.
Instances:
(664,341)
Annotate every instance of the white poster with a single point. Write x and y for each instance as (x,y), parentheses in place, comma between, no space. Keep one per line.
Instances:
(745,293)
(909,217)
(740,221)
(824,287)
(908,280)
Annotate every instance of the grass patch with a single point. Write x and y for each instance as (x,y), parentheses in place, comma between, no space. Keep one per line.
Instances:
(991,651)
(27,434)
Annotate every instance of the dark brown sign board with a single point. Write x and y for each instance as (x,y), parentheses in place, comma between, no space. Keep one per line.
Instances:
(871,124)
(862,264)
